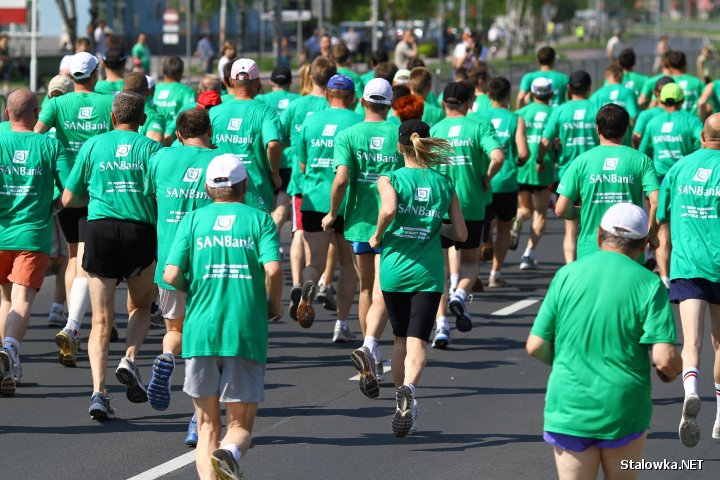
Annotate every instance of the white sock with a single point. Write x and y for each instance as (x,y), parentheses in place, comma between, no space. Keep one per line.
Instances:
(442,322)
(717,396)
(454,280)
(412,388)
(690,380)
(234,450)
(461,293)
(528,252)
(322,280)
(13,347)
(495,274)
(57,307)
(340,324)
(78,303)
(371,343)
(666,281)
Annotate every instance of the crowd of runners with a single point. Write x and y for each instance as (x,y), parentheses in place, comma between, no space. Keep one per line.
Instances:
(392,193)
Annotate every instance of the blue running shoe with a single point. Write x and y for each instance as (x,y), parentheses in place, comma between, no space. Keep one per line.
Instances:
(100,408)
(192,437)
(158,390)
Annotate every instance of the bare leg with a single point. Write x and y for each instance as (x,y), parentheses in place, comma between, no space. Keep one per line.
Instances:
(525,208)
(662,253)
(611,459)
(577,465)
(141,294)
(102,298)
(399,354)
(377,314)
(172,341)
(209,425)
(60,293)
(240,420)
(541,201)
(570,241)
(469,268)
(715,336)
(347,281)
(297,257)
(366,274)
(415,358)
(502,242)
(330,263)
(5,305)
(17,319)
(692,317)
(282,208)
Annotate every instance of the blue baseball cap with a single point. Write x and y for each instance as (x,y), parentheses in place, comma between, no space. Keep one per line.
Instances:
(341,82)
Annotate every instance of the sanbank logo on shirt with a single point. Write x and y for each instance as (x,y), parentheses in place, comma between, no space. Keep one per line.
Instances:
(122,150)
(702,175)
(85,113)
(610,163)
(223,223)
(283,104)
(192,175)
(540,116)
(496,122)
(614,95)
(329,130)
(454,131)
(376,143)
(234,124)
(20,156)
(667,127)
(682,84)
(422,194)
(163,95)
(579,114)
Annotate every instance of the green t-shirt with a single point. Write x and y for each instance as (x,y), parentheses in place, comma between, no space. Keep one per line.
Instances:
(291,120)
(482,102)
(574,124)
(315,149)
(357,80)
(169,98)
(635,82)
(536,115)
(280,101)
(432,99)
(107,87)
(111,168)
(505,124)
(245,128)
(644,118)
(4,126)
(367,76)
(367,149)
(154,122)
(617,94)
(669,137)
(221,250)
(690,201)
(472,140)
(648,87)
(176,178)
(600,314)
(600,178)
(77,117)
(142,52)
(715,96)
(412,258)
(227,97)
(693,88)
(432,114)
(559,84)
(32,166)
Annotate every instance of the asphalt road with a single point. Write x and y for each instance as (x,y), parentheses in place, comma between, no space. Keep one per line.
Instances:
(481,404)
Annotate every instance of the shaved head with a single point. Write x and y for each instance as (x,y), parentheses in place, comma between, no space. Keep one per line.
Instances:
(711,132)
(22,104)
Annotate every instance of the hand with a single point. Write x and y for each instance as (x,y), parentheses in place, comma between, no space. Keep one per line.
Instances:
(375,241)
(327,222)
(276,180)
(540,167)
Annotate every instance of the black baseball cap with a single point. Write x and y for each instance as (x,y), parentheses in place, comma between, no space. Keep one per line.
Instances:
(580,80)
(408,127)
(281,75)
(457,93)
(114,58)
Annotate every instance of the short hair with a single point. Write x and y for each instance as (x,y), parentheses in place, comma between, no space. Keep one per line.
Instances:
(625,244)
(136,82)
(662,81)
(228,194)
(83,42)
(173,67)
(409,107)
(21,103)
(348,95)
(128,107)
(420,80)
(627,59)
(499,89)
(546,56)
(378,56)
(378,108)
(677,60)
(615,71)
(340,53)
(461,74)
(88,80)
(193,123)
(478,73)
(399,91)
(322,70)
(612,121)
(386,70)
(210,82)
(415,62)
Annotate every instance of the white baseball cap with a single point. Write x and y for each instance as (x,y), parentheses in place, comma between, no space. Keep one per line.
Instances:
(151,82)
(245,67)
(625,220)
(378,90)
(82,65)
(402,77)
(224,171)
(61,83)
(541,87)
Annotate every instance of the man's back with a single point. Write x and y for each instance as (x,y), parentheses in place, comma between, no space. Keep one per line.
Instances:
(559,84)
(574,124)
(670,136)
(536,115)
(170,97)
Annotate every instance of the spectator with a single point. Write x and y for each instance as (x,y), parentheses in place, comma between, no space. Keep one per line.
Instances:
(228,55)
(206,52)
(406,49)
(5,62)
(352,40)
(99,37)
(464,53)
(141,53)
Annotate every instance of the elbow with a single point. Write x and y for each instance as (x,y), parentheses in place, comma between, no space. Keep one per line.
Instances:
(559,211)
(273,270)
(67,198)
(388,212)
(462,234)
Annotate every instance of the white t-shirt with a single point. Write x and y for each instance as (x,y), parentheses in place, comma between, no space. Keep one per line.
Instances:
(460,52)
(221,65)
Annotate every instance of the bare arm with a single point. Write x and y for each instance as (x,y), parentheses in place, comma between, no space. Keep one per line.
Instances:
(388,208)
(643,100)
(70,200)
(636,139)
(157,136)
(521,100)
(564,208)
(703,110)
(172,275)
(456,230)
(654,226)
(274,154)
(337,194)
(543,147)
(497,158)
(273,273)
(521,142)
(667,360)
(540,348)
(40,127)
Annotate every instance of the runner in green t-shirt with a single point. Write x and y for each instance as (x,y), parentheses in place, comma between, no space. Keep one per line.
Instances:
(546,59)
(414,200)
(480,76)
(510,131)
(594,328)
(646,115)
(32,166)
(114,66)
(608,174)
(170,94)
(141,53)
(477,159)
(646,100)
(692,86)
(709,101)
(315,151)
(120,240)
(535,178)
(573,126)
(343,59)
(222,256)
(420,84)
(690,202)
(154,126)
(614,92)
(631,79)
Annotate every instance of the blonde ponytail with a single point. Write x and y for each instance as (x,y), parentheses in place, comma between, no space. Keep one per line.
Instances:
(427,152)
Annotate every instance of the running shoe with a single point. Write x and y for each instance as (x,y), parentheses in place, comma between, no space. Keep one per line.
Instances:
(157,321)
(379,371)
(404,418)
(56,318)
(158,390)
(689,429)
(305,310)
(487,250)
(716,432)
(515,233)
(463,318)
(191,438)
(363,360)
(528,263)
(128,374)
(326,297)
(295,294)
(69,345)
(343,334)
(7,374)
(442,338)
(225,465)
(100,408)
(497,282)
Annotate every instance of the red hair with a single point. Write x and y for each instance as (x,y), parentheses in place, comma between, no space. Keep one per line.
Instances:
(409,107)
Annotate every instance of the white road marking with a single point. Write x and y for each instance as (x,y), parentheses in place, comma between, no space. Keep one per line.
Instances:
(516,307)
(167,467)
(386,368)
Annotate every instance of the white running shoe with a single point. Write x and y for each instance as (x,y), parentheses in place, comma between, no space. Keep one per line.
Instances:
(689,430)
(343,334)
(57,318)
(463,317)
(442,338)
(716,432)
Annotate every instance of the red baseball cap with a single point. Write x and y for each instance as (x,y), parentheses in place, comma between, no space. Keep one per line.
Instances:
(209,99)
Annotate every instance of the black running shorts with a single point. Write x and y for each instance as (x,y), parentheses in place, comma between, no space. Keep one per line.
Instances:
(504,207)
(72,222)
(312,222)
(474,238)
(118,248)
(412,314)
